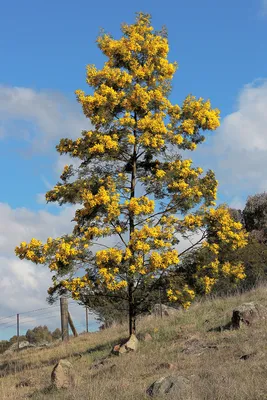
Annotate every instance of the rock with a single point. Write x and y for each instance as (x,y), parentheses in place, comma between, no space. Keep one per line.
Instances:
(22,346)
(116,349)
(130,345)
(165,310)
(144,337)
(44,344)
(247,314)
(169,384)
(166,365)
(247,356)
(62,376)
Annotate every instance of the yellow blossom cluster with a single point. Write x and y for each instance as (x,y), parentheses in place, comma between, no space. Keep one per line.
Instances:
(92,143)
(74,285)
(163,260)
(198,113)
(149,139)
(212,267)
(213,247)
(108,76)
(65,251)
(160,173)
(138,265)
(225,228)
(207,283)
(151,237)
(106,196)
(139,38)
(127,120)
(104,96)
(104,143)
(184,296)
(93,231)
(31,251)
(109,264)
(109,256)
(237,271)
(185,182)
(191,221)
(53,252)
(152,123)
(140,205)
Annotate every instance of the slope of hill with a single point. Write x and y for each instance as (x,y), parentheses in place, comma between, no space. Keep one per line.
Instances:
(220,364)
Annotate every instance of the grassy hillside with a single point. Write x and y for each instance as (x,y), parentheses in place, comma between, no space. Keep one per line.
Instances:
(211,359)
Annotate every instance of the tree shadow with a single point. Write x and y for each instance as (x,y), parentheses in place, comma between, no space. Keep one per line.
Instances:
(221,328)
(49,390)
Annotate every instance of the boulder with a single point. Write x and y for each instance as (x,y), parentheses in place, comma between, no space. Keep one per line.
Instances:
(130,345)
(247,314)
(166,365)
(22,346)
(144,337)
(167,311)
(62,376)
(178,385)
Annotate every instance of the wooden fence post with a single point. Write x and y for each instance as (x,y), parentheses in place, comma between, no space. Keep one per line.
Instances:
(75,333)
(86,314)
(18,330)
(64,318)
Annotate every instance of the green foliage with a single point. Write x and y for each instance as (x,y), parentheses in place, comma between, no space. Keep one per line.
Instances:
(4,345)
(255,213)
(56,334)
(39,334)
(14,339)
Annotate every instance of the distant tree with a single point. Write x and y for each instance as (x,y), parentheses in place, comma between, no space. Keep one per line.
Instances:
(14,339)
(255,214)
(237,215)
(56,334)
(39,334)
(4,345)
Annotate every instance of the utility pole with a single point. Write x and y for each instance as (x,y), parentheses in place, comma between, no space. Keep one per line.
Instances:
(86,315)
(64,318)
(18,330)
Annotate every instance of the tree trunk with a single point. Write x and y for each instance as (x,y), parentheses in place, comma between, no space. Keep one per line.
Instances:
(131,310)
(131,220)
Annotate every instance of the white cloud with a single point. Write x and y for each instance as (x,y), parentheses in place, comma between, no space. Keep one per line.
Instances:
(264,7)
(237,203)
(246,128)
(23,285)
(22,224)
(63,160)
(39,117)
(238,150)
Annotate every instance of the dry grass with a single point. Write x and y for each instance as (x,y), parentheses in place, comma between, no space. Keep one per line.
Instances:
(210,359)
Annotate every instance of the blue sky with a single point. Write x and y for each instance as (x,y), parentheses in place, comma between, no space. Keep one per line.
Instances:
(45,45)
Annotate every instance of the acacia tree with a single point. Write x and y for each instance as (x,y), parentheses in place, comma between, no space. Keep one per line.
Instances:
(134,189)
